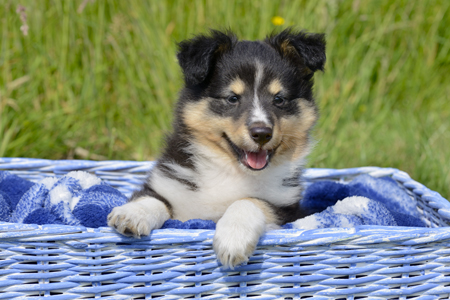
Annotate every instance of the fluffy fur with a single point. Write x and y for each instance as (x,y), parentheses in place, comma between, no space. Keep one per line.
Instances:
(241,132)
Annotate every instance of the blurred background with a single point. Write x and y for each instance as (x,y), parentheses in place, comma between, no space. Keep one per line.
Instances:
(96,79)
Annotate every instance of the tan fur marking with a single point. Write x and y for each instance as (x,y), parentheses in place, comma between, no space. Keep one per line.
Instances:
(222,48)
(208,128)
(237,86)
(287,48)
(291,134)
(294,131)
(275,87)
(271,218)
(205,131)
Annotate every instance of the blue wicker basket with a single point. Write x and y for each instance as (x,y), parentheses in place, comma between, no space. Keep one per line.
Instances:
(373,262)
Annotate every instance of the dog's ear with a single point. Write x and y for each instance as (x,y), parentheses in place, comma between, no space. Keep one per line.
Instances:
(198,55)
(307,49)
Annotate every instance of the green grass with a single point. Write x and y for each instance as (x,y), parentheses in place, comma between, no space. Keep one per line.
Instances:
(101,83)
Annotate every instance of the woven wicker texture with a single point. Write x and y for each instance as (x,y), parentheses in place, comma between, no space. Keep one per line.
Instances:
(367,262)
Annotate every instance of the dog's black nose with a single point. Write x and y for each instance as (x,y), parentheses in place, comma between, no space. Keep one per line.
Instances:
(261,135)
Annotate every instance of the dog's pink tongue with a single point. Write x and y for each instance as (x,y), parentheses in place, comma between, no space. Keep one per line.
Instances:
(257,160)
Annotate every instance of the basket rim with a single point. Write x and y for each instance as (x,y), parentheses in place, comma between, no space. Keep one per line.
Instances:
(19,163)
(81,237)
(358,235)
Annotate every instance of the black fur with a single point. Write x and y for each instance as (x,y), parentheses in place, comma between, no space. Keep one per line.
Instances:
(211,62)
(147,190)
(170,173)
(196,56)
(174,148)
(310,48)
(287,214)
(293,180)
(174,153)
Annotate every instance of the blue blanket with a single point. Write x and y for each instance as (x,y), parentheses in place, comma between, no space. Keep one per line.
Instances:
(80,198)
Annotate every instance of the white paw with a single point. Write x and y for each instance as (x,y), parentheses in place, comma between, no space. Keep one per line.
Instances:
(238,233)
(138,217)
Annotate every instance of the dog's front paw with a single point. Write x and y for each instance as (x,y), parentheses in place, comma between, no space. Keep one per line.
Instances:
(238,233)
(232,251)
(139,217)
(130,220)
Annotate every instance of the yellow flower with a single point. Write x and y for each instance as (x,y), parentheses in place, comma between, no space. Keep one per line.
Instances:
(277,21)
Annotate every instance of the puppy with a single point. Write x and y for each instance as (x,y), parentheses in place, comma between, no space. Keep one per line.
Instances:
(241,133)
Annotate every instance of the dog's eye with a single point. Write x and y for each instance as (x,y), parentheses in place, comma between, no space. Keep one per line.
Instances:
(279,101)
(233,99)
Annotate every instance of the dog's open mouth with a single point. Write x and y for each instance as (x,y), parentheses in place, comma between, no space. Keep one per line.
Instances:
(253,160)
(256,160)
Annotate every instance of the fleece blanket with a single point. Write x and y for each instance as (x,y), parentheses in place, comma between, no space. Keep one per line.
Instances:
(80,198)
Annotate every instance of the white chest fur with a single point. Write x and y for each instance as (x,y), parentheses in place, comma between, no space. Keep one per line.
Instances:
(220,183)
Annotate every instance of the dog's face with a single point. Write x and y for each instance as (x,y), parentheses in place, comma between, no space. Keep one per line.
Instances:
(251,102)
